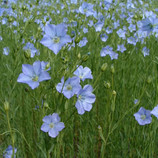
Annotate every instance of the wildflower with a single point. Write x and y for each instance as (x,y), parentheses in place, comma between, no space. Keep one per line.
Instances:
(121,48)
(9,152)
(70,87)
(121,33)
(85,99)
(55,37)
(143,116)
(149,24)
(6,51)
(83,73)
(30,50)
(104,37)
(33,74)
(145,51)
(155,111)
(87,9)
(108,51)
(52,125)
(83,42)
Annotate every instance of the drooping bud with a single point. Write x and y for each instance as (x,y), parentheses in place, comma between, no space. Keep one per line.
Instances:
(107,84)
(104,66)
(112,69)
(6,105)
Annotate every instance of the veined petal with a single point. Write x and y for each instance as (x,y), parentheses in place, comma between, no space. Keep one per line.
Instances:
(59,126)
(55,118)
(87,106)
(33,84)
(23,78)
(28,70)
(55,47)
(45,127)
(44,76)
(61,30)
(50,30)
(47,119)
(80,108)
(53,133)
(37,67)
(46,41)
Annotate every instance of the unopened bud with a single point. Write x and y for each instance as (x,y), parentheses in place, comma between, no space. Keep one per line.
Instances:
(27,53)
(6,106)
(149,79)
(104,66)
(112,69)
(85,58)
(79,56)
(114,92)
(46,105)
(107,84)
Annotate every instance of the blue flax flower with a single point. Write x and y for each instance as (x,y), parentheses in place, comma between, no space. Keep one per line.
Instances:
(85,99)
(9,152)
(70,87)
(149,24)
(55,37)
(33,74)
(155,111)
(52,125)
(83,73)
(87,9)
(143,116)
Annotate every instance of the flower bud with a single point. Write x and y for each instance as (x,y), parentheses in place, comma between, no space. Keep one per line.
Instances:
(107,84)
(27,54)
(104,66)
(79,56)
(85,58)
(46,105)
(114,92)
(112,69)
(6,106)
(149,79)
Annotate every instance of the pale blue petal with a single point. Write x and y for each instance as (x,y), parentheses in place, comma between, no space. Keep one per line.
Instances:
(37,67)
(28,70)
(59,126)
(80,108)
(45,127)
(55,118)
(53,133)
(23,78)
(46,41)
(44,76)
(50,30)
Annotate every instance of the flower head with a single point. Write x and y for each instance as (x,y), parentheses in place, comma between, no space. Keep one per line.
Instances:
(33,74)
(143,116)
(9,152)
(55,37)
(52,125)
(83,73)
(85,99)
(70,87)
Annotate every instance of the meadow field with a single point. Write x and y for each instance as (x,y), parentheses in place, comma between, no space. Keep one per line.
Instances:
(78,79)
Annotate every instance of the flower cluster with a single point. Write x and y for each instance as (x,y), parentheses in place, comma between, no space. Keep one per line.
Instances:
(72,86)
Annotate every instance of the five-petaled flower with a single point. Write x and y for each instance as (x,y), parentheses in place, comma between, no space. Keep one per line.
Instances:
(33,74)
(55,37)
(85,99)
(52,125)
(143,116)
